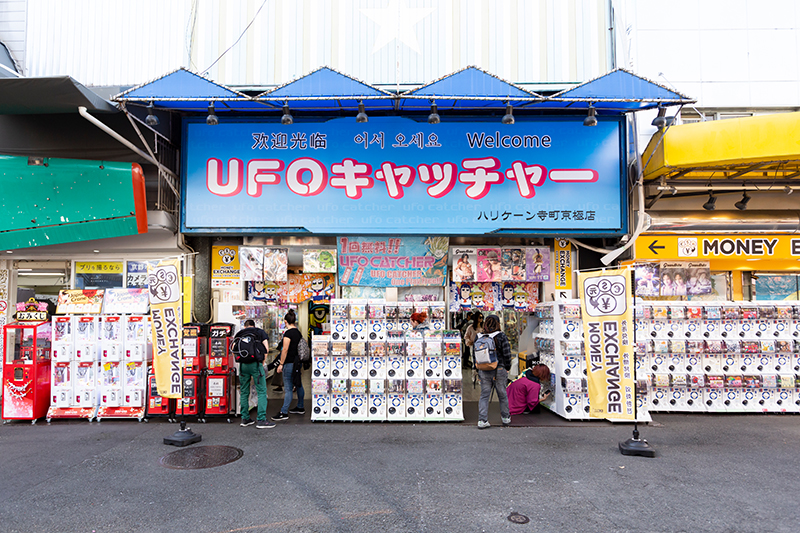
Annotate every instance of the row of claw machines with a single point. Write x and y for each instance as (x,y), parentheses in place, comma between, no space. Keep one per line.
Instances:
(714,357)
(391,372)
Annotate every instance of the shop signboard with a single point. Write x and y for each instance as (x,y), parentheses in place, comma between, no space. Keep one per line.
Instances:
(724,252)
(80,302)
(136,276)
(407,261)
(607,309)
(394,175)
(562,269)
(224,267)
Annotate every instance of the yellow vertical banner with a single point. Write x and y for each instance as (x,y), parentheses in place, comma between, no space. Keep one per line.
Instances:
(562,269)
(607,309)
(164,281)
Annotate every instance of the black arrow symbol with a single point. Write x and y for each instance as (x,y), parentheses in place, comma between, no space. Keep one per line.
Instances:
(653,247)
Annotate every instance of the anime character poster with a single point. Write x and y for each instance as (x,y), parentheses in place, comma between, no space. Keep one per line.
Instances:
(465,263)
(251,263)
(465,296)
(519,296)
(276,262)
(319,261)
(317,316)
(489,264)
(647,282)
(513,264)
(262,292)
(301,287)
(537,264)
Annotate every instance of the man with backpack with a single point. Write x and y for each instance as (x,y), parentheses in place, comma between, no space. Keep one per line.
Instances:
(249,348)
(492,353)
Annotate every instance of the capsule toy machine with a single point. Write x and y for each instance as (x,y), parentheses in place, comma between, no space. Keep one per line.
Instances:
(392,313)
(340,318)
(693,323)
(785,394)
(433,355)
(376,398)
(218,394)
(712,323)
(320,399)
(731,319)
(713,356)
(415,358)
(189,404)
(677,356)
(677,322)
(750,355)
(783,356)
(749,322)
(434,400)
(340,399)
(359,404)
(110,385)
(695,385)
(438,316)
(451,354)
(395,355)
(642,321)
(415,399)
(660,359)
(404,312)
(377,360)
(766,325)
(340,360)
(377,320)
(767,395)
(732,393)
(642,358)
(158,406)
(713,394)
(321,359)
(678,393)
(695,352)
(660,393)
(795,324)
(134,388)
(784,317)
(220,358)
(195,348)
(86,334)
(26,370)
(358,364)
(358,325)
(396,399)
(751,386)
(453,399)
(85,388)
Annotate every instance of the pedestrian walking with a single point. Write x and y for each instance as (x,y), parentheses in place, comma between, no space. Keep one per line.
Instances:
(497,378)
(291,368)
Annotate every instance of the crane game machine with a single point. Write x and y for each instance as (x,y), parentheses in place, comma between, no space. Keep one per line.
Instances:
(26,368)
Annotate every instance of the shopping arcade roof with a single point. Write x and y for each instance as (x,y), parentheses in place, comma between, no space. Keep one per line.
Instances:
(470,89)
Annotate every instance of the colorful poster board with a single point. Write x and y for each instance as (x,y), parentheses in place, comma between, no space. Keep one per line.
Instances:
(465,264)
(537,264)
(126,301)
(80,302)
(319,261)
(405,261)
(510,295)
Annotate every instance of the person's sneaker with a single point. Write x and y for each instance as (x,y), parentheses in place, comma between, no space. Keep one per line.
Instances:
(265,424)
(280,416)
(506,421)
(297,411)
(483,424)
(246,422)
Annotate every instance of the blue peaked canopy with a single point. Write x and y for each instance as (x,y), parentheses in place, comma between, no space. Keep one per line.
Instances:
(327,90)
(469,88)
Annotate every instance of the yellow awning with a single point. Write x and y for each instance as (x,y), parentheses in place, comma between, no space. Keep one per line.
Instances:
(763,147)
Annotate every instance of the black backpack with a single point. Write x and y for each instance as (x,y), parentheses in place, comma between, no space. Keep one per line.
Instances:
(247,348)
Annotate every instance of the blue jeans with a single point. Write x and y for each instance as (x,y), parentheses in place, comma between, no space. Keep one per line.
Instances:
(287,390)
(497,379)
(254,371)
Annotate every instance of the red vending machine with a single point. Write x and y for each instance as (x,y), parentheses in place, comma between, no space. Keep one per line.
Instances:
(26,371)
(156,405)
(219,377)
(195,346)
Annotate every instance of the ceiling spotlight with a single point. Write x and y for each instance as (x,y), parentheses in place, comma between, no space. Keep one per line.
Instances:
(741,205)
(591,118)
(710,205)
(361,117)
(287,119)
(788,190)
(212,119)
(508,118)
(434,117)
(152,119)
(660,121)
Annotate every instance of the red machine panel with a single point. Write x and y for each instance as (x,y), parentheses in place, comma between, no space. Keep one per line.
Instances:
(26,370)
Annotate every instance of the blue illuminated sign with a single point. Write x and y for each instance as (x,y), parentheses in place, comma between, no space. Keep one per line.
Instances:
(398,176)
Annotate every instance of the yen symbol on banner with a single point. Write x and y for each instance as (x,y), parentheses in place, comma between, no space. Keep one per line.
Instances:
(605,295)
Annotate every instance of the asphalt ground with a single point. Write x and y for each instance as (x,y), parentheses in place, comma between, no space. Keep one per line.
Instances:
(712,473)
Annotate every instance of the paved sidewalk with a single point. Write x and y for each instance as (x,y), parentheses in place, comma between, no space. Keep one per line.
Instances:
(713,473)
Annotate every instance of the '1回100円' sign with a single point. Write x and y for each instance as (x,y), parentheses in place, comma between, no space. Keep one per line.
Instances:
(395,175)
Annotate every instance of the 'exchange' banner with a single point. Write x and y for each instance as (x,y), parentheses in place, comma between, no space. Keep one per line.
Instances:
(607,306)
(165,309)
